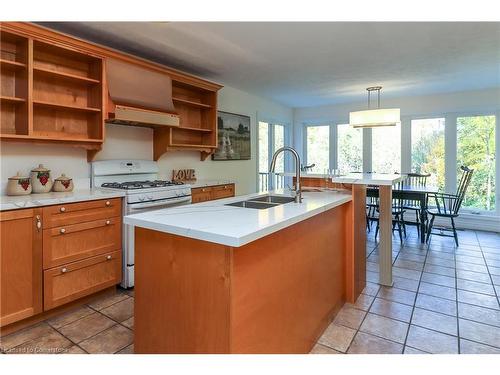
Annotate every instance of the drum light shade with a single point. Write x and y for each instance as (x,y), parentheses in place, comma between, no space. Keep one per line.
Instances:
(372,118)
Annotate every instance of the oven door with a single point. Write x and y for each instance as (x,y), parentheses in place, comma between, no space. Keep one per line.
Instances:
(128,232)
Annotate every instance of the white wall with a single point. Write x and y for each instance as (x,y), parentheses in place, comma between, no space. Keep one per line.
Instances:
(124,142)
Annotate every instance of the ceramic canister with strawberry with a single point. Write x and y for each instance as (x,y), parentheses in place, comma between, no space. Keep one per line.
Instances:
(40,180)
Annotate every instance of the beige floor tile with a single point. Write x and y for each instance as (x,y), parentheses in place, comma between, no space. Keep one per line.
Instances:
(365,343)
(434,320)
(441,305)
(474,276)
(321,349)
(476,287)
(494,270)
(431,341)
(127,350)
(434,278)
(479,314)
(25,335)
(70,317)
(407,274)
(129,323)
(337,337)
(363,302)
(471,267)
(431,268)
(470,347)
(106,301)
(109,341)
(75,349)
(441,262)
(350,317)
(371,289)
(438,291)
(409,264)
(477,299)
(479,332)
(391,309)
(384,327)
(406,284)
(410,350)
(86,327)
(470,259)
(120,311)
(52,343)
(397,295)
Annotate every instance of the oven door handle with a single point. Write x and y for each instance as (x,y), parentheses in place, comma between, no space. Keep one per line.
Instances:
(160,202)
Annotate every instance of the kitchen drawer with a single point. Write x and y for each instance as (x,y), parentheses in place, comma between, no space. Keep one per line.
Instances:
(79,241)
(201,194)
(71,281)
(73,213)
(222,191)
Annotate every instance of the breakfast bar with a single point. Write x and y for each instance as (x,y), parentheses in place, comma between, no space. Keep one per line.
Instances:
(242,275)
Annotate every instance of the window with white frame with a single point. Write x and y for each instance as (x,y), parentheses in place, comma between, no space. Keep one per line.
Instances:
(386,149)
(271,137)
(318,148)
(349,149)
(427,149)
(476,149)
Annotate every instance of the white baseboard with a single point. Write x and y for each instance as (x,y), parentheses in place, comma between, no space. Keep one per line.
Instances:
(471,221)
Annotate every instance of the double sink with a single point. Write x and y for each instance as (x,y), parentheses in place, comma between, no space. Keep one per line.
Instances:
(263,202)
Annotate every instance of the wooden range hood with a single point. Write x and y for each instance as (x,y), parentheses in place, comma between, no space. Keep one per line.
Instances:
(139,96)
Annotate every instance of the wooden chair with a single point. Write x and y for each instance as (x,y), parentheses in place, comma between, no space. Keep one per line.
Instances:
(420,180)
(448,205)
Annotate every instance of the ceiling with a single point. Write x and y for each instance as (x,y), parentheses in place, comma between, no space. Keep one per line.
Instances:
(308,64)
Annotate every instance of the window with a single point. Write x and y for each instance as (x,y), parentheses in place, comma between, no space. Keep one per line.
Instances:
(349,149)
(386,149)
(317,148)
(427,149)
(476,150)
(271,138)
(263,146)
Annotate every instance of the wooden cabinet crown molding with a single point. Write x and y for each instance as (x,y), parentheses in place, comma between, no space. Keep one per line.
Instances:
(64,40)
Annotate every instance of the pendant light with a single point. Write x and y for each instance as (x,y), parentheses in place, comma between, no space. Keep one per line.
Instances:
(372,118)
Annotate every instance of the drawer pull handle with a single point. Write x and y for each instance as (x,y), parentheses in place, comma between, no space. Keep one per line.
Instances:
(38,223)
(108,203)
(64,270)
(108,257)
(108,222)
(62,231)
(62,209)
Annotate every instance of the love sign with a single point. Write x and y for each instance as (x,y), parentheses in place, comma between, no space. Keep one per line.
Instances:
(183,175)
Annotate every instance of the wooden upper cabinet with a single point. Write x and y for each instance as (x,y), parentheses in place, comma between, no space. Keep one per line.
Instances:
(54,91)
(20,265)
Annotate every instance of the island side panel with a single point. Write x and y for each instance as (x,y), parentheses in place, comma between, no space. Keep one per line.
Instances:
(288,286)
(356,238)
(182,292)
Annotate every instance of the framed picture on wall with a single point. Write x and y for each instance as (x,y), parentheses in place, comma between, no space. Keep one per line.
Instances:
(234,137)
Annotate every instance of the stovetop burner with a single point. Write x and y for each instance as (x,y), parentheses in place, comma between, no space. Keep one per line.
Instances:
(130,185)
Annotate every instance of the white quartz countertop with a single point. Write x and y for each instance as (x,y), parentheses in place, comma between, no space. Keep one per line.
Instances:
(369,178)
(48,199)
(213,221)
(205,183)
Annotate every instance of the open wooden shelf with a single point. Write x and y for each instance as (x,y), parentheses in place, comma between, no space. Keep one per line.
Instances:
(14,65)
(66,106)
(62,75)
(12,99)
(194,129)
(191,103)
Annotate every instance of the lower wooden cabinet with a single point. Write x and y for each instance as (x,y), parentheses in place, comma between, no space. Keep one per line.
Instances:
(209,193)
(57,254)
(67,283)
(20,265)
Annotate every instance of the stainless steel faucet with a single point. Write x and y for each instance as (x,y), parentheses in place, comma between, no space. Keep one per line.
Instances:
(272,167)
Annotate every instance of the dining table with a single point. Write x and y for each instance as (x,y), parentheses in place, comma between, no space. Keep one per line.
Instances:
(408,192)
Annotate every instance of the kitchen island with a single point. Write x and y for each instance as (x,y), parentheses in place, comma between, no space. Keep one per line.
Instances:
(216,278)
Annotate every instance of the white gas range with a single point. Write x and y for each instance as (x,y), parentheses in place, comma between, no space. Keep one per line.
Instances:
(144,192)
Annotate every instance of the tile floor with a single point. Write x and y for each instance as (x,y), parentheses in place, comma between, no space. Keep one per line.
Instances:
(444,300)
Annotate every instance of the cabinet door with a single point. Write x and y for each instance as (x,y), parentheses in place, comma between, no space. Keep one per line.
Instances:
(201,195)
(223,191)
(20,264)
